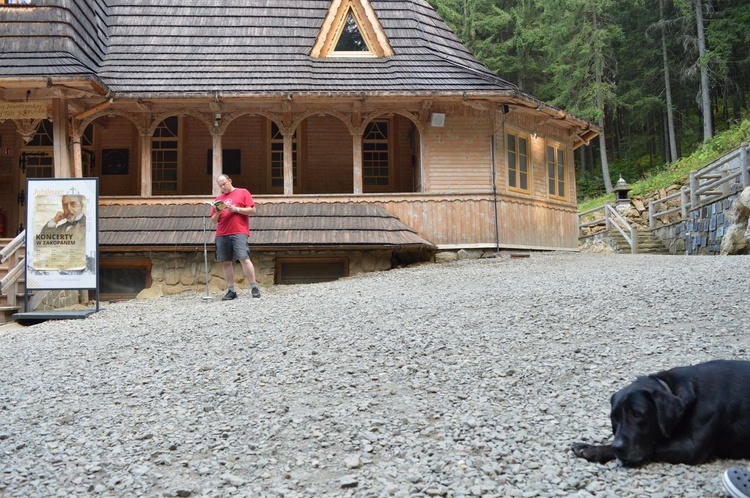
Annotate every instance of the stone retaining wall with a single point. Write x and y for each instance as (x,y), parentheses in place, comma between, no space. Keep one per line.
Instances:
(702,232)
(176,272)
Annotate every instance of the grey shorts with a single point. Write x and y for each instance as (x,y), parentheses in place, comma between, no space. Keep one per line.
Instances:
(231,247)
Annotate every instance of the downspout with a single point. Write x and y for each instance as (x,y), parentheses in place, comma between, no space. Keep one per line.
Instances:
(494,186)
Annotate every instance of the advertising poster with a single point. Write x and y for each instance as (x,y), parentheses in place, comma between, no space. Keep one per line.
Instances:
(62,233)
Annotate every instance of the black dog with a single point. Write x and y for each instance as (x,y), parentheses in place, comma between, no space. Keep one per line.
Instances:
(683,415)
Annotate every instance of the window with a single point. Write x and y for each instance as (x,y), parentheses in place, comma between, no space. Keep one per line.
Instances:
(351,29)
(376,156)
(87,139)
(164,157)
(310,270)
(556,171)
(37,164)
(123,278)
(43,135)
(350,39)
(518,163)
(277,158)
(37,159)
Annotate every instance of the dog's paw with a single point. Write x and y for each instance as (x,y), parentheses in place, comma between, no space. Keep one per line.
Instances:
(579,449)
(593,452)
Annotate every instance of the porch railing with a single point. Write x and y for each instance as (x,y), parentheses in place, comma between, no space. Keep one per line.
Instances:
(13,253)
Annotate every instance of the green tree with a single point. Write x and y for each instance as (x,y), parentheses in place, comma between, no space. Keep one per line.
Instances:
(635,67)
(581,62)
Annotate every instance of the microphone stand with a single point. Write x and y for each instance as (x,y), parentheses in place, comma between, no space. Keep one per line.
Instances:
(207,297)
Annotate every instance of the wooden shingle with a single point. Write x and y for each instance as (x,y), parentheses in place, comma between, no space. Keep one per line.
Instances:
(142,48)
(274,226)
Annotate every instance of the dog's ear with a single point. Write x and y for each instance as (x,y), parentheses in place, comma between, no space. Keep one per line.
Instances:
(613,417)
(669,410)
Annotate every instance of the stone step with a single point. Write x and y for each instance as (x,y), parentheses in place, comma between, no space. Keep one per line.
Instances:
(6,313)
(647,243)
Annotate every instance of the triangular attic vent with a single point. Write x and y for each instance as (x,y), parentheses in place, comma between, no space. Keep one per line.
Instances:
(351,29)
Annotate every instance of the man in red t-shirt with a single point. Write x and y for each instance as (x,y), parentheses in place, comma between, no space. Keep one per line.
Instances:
(232,233)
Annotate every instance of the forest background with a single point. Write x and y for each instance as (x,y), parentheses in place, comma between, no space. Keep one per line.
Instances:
(660,77)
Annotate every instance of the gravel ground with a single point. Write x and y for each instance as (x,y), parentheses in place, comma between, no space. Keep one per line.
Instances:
(470,378)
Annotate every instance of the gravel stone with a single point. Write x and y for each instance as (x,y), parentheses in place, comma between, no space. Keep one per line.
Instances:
(465,378)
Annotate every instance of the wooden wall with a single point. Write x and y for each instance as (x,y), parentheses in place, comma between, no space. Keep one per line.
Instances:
(10,142)
(117,133)
(458,154)
(246,133)
(405,154)
(460,158)
(329,159)
(467,220)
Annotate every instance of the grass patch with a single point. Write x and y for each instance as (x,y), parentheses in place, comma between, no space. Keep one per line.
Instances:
(679,171)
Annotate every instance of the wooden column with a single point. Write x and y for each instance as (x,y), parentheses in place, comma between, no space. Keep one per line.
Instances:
(357,162)
(288,163)
(146,147)
(76,152)
(60,138)
(217,162)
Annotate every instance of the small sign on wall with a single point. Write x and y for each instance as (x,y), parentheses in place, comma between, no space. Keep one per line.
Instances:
(23,110)
(115,161)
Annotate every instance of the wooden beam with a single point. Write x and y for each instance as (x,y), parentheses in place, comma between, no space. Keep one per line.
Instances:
(94,110)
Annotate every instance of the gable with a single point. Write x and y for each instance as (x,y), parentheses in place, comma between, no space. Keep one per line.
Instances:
(356,19)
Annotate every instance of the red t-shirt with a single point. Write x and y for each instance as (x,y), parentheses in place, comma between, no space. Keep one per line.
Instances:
(234,223)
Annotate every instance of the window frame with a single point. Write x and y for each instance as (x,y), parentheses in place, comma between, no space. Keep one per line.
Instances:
(367,52)
(518,135)
(177,139)
(377,188)
(368,26)
(559,151)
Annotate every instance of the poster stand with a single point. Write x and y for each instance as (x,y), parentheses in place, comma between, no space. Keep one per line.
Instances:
(62,242)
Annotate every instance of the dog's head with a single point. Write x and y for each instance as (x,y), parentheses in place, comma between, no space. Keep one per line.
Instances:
(643,414)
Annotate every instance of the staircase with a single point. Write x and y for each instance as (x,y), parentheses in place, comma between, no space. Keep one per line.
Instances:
(647,243)
(12,277)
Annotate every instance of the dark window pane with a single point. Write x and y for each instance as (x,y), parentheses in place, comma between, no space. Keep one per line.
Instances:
(351,39)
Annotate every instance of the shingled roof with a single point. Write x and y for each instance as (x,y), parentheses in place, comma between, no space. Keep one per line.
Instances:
(147,48)
(52,40)
(274,226)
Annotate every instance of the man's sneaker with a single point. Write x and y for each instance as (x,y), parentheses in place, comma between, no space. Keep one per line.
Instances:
(256,292)
(737,482)
(229,296)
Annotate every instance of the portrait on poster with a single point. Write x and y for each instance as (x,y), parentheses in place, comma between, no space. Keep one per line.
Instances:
(61,248)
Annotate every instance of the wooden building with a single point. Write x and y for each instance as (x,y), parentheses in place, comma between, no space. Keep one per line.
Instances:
(356,124)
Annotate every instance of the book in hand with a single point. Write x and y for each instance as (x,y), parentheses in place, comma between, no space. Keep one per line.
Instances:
(217,205)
